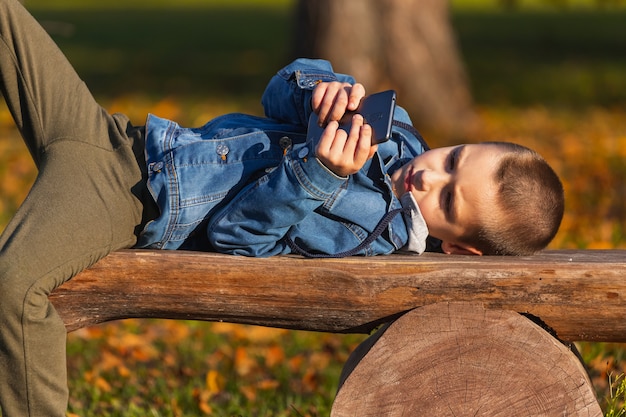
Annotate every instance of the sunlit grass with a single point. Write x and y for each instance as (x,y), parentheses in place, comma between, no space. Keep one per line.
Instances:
(185,368)
(537,5)
(154,4)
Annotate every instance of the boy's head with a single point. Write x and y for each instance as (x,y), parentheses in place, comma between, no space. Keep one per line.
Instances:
(492,198)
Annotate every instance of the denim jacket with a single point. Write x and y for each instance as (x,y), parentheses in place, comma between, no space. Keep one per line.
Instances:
(241,183)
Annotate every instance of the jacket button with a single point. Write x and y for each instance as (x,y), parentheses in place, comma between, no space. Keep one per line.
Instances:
(303,152)
(157,166)
(222,150)
(310,83)
(284,142)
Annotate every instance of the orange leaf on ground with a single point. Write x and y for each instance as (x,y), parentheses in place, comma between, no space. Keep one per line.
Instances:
(268,384)
(102,384)
(214,382)
(244,364)
(248,391)
(275,355)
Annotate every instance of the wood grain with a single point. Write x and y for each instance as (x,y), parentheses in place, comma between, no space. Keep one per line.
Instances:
(580,295)
(459,359)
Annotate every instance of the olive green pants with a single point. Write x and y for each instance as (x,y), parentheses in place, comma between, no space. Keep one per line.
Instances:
(85,203)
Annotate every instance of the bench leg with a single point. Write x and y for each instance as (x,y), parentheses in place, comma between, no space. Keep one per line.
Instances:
(459,359)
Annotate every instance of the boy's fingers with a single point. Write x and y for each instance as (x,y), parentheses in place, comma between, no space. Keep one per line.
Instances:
(323,99)
(357,92)
(357,147)
(347,98)
(324,109)
(327,139)
(372,151)
(345,153)
(339,105)
(364,146)
(355,133)
(330,100)
(319,100)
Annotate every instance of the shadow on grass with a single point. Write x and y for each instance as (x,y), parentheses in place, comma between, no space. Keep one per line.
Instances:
(173,52)
(571,58)
(568,58)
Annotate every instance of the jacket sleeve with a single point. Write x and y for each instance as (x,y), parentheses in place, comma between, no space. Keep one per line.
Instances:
(256,220)
(287,97)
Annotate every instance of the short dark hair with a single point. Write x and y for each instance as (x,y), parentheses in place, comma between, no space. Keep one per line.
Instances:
(529,205)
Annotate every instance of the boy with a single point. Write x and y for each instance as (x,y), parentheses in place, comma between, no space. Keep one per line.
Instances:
(240,184)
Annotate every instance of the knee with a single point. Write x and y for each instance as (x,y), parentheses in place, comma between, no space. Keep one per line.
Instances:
(13,285)
(12,292)
(20,294)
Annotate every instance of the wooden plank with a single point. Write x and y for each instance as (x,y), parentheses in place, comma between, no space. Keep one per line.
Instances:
(581,295)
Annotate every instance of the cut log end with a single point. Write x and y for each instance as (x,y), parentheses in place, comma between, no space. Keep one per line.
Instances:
(463,360)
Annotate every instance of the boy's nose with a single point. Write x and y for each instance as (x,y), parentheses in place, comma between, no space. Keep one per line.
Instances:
(430,179)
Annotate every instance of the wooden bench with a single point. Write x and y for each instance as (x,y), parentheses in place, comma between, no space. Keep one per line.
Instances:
(455,342)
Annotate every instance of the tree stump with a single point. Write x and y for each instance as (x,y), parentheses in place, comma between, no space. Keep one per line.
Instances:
(460,359)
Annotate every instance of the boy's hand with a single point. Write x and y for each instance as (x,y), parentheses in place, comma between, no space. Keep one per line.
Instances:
(346,153)
(343,153)
(331,100)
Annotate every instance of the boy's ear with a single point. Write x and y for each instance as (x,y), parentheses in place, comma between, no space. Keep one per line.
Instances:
(459,249)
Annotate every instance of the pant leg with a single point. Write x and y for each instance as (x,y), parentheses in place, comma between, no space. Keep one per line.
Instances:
(46,97)
(85,202)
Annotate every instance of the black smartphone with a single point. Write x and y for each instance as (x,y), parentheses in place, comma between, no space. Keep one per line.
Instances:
(377,110)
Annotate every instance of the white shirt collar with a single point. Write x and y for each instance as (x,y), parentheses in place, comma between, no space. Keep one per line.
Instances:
(416,225)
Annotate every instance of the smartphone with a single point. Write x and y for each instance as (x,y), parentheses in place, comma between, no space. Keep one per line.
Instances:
(377,110)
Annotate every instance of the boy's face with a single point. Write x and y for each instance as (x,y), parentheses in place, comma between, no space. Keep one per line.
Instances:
(454,188)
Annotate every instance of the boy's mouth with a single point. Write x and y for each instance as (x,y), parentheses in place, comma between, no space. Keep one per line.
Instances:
(408,181)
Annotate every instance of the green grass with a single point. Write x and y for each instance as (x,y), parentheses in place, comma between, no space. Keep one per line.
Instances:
(163,368)
(568,59)
(538,5)
(617,396)
(187,52)
(154,4)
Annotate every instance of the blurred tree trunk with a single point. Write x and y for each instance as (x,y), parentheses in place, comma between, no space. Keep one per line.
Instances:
(407,45)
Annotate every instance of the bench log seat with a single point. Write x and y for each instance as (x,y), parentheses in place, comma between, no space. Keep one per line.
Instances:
(460,335)
(580,295)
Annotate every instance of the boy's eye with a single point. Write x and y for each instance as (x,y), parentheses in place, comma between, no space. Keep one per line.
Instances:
(448,202)
(452,159)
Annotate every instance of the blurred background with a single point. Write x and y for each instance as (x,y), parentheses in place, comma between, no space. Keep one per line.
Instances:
(547,74)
